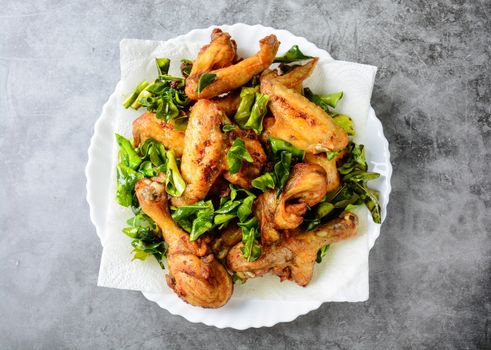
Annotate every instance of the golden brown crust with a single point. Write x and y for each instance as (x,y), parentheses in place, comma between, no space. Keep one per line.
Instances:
(147,126)
(194,273)
(232,77)
(294,257)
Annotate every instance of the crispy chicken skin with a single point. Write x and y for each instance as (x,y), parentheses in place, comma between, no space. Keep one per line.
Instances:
(219,53)
(229,103)
(248,171)
(201,161)
(332,174)
(264,209)
(305,187)
(147,126)
(301,122)
(232,77)
(229,237)
(293,258)
(294,78)
(195,274)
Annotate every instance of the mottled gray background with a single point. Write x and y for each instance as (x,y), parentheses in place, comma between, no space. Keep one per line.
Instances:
(430,269)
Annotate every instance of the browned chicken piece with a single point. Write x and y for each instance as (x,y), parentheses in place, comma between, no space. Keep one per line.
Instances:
(229,237)
(294,257)
(232,77)
(305,188)
(301,122)
(202,159)
(219,53)
(147,126)
(248,171)
(294,78)
(264,209)
(229,103)
(333,178)
(195,274)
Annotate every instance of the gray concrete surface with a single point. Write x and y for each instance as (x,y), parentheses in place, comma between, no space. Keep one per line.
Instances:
(430,269)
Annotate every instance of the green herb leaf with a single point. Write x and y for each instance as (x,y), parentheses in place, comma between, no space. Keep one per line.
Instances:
(186,67)
(228,127)
(264,182)
(134,95)
(163,65)
(129,155)
(251,250)
(245,208)
(326,102)
(147,238)
(292,55)
(247,96)
(202,224)
(259,110)
(332,154)
(346,123)
(174,183)
(321,253)
(236,154)
(278,145)
(204,80)
(282,170)
(126,179)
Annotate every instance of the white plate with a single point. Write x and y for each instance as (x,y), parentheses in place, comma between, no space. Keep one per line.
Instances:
(238,314)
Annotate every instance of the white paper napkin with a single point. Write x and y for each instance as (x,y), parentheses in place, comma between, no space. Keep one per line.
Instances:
(343,274)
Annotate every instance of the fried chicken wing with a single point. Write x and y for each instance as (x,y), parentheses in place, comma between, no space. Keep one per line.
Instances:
(219,53)
(232,77)
(229,237)
(294,257)
(264,210)
(333,178)
(295,77)
(147,126)
(195,274)
(201,162)
(305,187)
(301,122)
(248,171)
(229,103)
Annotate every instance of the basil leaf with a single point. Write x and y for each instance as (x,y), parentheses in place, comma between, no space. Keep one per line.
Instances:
(259,110)
(129,155)
(236,154)
(346,123)
(247,96)
(134,95)
(228,127)
(204,80)
(228,207)
(292,55)
(321,253)
(162,65)
(174,183)
(264,182)
(278,145)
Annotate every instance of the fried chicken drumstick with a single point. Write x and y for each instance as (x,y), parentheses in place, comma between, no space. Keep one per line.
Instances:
(194,273)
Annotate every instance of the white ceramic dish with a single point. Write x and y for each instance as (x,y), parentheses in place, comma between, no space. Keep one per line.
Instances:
(238,314)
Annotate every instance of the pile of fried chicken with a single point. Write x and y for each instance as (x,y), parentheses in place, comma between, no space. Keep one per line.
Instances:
(200,271)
